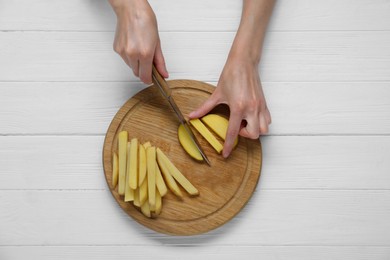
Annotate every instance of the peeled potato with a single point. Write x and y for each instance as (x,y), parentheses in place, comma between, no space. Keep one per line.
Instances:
(218,124)
(162,188)
(188,144)
(133,161)
(115,169)
(129,192)
(170,181)
(141,164)
(151,173)
(122,147)
(210,138)
(176,174)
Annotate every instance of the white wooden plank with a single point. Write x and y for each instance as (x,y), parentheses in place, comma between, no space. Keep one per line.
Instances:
(273,217)
(296,108)
(201,15)
(287,56)
(195,253)
(297,162)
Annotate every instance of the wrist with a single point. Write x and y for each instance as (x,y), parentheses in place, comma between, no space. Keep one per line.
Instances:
(120,5)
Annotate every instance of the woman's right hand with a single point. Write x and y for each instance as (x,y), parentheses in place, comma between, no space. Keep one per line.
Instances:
(136,38)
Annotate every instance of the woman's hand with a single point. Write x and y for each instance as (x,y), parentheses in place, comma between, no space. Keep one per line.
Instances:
(239,87)
(136,38)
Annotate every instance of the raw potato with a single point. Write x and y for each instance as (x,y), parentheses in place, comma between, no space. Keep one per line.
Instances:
(114,180)
(122,147)
(136,201)
(202,129)
(218,124)
(129,193)
(177,175)
(151,169)
(141,165)
(170,181)
(147,145)
(133,164)
(145,208)
(143,192)
(150,183)
(187,143)
(158,203)
(162,188)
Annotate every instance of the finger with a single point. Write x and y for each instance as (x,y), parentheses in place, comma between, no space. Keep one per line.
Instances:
(159,61)
(145,70)
(232,133)
(268,116)
(251,130)
(263,123)
(206,107)
(133,64)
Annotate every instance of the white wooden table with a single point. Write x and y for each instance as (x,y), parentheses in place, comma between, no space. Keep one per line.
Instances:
(324,191)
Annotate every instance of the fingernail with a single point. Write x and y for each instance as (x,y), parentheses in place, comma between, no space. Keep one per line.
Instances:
(192,114)
(225,154)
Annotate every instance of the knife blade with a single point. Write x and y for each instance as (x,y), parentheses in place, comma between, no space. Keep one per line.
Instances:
(165,90)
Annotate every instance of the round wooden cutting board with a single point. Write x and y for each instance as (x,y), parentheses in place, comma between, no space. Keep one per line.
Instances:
(224,188)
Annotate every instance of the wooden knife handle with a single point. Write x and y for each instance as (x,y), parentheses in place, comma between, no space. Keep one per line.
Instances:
(160,82)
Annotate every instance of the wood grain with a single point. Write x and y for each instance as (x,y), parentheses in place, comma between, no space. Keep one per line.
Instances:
(224,188)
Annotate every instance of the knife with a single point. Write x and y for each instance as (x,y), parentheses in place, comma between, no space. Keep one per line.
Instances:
(165,90)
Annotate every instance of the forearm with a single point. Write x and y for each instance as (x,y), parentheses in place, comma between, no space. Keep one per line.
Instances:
(249,39)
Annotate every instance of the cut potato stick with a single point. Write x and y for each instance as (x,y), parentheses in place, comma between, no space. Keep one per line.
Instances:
(210,138)
(160,183)
(136,201)
(158,203)
(122,147)
(145,209)
(171,183)
(147,145)
(218,124)
(177,175)
(141,165)
(129,193)
(151,172)
(143,192)
(114,180)
(133,164)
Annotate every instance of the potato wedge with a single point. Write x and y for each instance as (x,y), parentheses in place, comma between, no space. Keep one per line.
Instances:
(160,183)
(115,170)
(210,138)
(151,173)
(122,147)
(176,174)
(141,165)
(133,164)
(187,143)
(218,124)
(170,181)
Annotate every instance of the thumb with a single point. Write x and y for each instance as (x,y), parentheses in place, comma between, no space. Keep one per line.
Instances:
(206,107)
(159,61)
